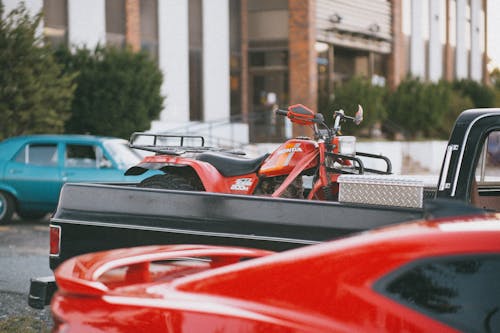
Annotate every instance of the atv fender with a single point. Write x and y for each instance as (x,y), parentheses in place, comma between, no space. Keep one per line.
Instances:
(211,179)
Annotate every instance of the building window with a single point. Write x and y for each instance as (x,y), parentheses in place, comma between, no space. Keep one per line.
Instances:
(55,21)
(149,27)
(115,23)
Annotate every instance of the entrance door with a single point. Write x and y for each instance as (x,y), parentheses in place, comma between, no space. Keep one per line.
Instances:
(268,89)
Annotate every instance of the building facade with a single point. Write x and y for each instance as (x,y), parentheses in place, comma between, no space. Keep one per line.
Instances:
(226,63)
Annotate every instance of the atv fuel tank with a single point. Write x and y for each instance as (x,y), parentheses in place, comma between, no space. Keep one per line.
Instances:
(287,156)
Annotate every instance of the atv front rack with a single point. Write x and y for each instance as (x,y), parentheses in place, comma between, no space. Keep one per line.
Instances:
(358,166)
(166,144)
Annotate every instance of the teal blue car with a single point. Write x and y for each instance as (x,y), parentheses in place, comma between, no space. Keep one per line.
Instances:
(34,168)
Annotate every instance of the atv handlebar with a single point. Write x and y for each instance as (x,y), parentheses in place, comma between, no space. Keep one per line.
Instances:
(281,112)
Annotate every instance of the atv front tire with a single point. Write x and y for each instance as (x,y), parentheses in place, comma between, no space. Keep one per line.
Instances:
(172,181)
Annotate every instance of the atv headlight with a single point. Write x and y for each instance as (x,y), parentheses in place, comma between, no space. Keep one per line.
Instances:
(347,145)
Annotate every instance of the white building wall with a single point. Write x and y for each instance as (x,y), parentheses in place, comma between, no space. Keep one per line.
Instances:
(173,54)
(86,23)
(436,19)
(461,47)
(417,46)
(216,94)
(33,6)
(476,62)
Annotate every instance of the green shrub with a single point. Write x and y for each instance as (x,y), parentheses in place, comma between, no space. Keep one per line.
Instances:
(360,91)
(118,91)
(417,107)
(35,95)
(481,95)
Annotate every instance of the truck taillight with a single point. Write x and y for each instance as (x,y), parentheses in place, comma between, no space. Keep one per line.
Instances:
(55,240)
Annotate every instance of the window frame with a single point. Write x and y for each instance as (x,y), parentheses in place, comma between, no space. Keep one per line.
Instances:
(382,284)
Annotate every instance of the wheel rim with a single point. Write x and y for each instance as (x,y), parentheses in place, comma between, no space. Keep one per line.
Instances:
(3,206)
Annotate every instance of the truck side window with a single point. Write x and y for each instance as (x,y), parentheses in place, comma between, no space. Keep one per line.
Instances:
(488,174)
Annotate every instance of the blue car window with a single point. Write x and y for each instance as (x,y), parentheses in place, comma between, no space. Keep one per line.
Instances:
(82,156)
(38,154)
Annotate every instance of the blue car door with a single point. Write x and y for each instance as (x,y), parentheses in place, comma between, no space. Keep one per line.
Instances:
(35,174)
(84,162)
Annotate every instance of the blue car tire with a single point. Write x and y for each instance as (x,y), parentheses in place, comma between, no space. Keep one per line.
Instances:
(6,207)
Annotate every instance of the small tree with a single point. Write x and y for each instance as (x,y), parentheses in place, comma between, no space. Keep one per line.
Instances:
(481,95)
(360,91)
(418,107)
(118,91)
(35,96)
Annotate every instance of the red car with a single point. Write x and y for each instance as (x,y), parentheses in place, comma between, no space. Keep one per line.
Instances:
(430,276)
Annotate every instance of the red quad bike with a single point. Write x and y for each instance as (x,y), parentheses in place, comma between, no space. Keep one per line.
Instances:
(279,174)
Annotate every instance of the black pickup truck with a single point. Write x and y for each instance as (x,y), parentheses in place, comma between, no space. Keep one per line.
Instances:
(94,217)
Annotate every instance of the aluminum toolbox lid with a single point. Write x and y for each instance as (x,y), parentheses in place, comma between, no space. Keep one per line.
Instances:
(396,180)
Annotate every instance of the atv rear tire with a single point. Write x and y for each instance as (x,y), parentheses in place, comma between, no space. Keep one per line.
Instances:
(172,181)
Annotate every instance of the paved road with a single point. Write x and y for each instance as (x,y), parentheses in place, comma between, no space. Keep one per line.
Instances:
(24,247)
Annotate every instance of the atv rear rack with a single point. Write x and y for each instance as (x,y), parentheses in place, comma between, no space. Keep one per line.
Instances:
(159,144)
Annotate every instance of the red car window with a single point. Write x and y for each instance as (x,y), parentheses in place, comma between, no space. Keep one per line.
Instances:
(463,292)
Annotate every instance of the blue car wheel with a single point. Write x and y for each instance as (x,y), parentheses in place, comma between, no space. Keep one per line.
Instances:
(6,207)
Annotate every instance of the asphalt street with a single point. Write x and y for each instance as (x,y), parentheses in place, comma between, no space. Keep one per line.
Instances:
(24,247)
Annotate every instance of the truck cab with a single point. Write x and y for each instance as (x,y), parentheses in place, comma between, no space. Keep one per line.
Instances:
(471,168)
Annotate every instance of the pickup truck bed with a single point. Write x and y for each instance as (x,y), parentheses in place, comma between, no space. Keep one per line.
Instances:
(93,216)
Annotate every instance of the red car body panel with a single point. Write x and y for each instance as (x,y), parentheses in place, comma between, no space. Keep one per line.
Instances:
(322,288)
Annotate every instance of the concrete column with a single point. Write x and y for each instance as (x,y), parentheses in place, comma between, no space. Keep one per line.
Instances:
(302,57)
(173,59)
(86,23)
(216,93)
(476,62)
(461,48)
(417,46)
(436,19)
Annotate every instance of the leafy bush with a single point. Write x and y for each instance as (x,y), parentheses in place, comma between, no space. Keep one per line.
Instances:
(418,107)
(481,95)
(35,95)
(456,104)
(118,91)
(359,91)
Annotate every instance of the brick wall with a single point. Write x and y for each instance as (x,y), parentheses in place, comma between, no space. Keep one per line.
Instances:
(133,24)
(303,78)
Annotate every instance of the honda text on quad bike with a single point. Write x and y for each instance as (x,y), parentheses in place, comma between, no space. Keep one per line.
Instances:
(278,174)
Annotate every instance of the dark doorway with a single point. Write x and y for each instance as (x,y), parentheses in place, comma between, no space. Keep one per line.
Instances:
(268,90)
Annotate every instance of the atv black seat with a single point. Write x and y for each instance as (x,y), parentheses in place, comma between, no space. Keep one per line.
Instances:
(230,166)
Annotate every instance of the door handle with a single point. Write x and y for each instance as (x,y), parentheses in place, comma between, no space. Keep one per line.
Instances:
(15,171)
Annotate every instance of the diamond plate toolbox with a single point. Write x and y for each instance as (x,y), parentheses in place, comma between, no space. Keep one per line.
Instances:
(399,191)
